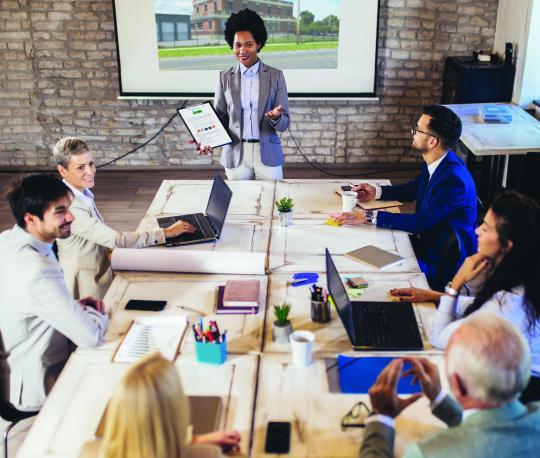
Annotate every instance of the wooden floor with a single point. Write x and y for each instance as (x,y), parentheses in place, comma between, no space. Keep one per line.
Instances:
(122,197)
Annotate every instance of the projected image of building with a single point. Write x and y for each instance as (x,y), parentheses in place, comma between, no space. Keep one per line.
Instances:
(209,17)
(301,33)
(172,28)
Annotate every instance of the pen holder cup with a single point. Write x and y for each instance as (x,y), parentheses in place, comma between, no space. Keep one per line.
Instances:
(320,311)
(212,353)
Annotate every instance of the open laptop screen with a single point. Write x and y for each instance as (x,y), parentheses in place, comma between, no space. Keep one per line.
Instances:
(340,296)
(218,204)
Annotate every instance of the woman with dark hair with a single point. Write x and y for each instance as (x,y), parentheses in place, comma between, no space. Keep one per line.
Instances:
(508,254)
(251,101)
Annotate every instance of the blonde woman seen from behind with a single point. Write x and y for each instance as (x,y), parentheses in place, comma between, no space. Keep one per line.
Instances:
(148,416)
(84,256)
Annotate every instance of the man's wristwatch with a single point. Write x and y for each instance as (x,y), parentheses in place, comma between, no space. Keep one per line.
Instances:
(451,291)
(370,216)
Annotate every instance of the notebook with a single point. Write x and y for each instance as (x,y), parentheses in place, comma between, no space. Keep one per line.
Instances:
(357,375)
(241,293)
(375,257)
(222,310)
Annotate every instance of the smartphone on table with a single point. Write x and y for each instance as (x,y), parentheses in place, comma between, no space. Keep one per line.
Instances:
(146,305)
(278,437)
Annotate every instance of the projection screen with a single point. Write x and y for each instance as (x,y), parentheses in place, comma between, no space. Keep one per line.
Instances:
(175,48)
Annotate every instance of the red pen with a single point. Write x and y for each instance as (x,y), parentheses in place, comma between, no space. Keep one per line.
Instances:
(209,336)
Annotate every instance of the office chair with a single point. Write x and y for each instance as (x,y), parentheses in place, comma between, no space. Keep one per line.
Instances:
(7,411)
(13,416)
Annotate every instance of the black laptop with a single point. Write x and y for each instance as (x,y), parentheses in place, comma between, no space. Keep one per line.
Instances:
(209,224)
(373,326)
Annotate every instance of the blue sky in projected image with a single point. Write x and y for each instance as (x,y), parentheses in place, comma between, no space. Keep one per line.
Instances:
(320,8)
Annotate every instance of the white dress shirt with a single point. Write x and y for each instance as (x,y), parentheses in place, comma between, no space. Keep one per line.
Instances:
(87,196)
(249,84)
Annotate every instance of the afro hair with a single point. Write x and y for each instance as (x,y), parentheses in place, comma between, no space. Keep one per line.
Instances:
(245,20)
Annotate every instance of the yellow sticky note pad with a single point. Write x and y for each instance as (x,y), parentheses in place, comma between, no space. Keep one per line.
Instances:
(332,222)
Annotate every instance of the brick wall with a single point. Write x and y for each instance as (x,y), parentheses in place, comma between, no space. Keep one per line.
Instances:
(59,77)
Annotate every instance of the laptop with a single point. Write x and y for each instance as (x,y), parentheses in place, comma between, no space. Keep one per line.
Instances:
(373,326)
(209,224)
(205,415)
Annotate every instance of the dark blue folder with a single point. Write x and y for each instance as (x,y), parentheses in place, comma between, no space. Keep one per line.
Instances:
(356,375)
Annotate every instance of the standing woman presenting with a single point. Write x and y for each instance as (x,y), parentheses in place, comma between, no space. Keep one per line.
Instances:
(251,101)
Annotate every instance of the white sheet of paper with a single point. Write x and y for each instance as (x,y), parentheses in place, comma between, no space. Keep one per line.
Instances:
(151,333)
(204,125)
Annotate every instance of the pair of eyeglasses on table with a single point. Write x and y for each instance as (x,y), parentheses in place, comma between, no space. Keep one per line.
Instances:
(356,417)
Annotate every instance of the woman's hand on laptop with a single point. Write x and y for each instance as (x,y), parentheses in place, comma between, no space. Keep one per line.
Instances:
(416,295)
(351,218)
(178,228)
(226,439)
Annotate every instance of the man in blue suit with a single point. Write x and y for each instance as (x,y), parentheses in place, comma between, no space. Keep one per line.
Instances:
(445,198)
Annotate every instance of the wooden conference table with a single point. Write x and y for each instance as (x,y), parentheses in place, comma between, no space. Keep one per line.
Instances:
(258,382)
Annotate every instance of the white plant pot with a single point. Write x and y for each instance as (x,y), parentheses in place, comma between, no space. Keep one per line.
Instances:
(280,334)
(285,218)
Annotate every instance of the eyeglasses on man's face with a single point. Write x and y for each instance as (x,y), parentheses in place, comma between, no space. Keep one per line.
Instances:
(416,129)
(355,418)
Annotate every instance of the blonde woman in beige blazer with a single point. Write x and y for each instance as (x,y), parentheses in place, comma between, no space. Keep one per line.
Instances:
(84,256)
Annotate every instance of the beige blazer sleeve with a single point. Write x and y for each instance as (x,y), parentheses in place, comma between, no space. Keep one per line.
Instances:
(92,229)
(84,256)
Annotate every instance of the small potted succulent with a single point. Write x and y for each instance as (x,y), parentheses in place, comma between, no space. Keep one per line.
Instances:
(282,326)
(285,208)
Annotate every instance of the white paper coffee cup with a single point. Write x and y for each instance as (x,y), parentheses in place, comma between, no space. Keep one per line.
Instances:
(302,347)
(348,199)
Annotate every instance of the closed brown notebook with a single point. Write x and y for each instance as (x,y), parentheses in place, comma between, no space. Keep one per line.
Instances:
(241,293)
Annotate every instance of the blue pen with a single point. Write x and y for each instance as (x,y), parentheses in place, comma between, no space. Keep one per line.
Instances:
(224,336)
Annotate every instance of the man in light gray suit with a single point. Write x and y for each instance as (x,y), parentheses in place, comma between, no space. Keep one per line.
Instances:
(38,315)
(488,364)
(251,101)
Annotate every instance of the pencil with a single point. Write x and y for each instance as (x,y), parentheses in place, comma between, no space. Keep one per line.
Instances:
(191,309)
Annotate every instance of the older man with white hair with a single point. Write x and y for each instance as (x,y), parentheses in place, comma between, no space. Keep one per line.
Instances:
(487,365)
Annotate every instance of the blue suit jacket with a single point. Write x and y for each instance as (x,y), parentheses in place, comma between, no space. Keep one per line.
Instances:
(447,200)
